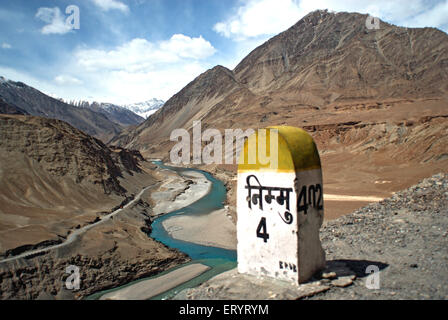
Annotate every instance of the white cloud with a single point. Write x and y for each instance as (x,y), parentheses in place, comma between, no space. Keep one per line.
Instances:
(41,84)
(137,70)
(126,87)
(107,5)
(186,47)
(6,45)
(140,55)
(140,69)
(55,21)
(435,17)
(257,18)
(67,80)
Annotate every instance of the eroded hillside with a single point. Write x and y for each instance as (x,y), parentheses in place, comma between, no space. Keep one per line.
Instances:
(54,177)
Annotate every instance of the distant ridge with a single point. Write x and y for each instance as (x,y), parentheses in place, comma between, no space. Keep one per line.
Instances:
(118,114)
(36,103)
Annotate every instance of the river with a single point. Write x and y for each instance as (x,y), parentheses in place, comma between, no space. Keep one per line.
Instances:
(218,259)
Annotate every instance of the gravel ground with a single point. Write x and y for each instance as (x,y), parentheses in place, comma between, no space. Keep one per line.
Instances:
(406,236)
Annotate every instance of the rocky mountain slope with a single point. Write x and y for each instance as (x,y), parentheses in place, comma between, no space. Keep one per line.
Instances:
(374,101)
(37,103)
(334,57)
(6,108)
(65,151)
(50,173)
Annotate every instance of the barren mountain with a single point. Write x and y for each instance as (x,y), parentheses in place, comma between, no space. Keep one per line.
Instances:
(50,173)
(37,103)
(373,99)
(334,57)
(6,108)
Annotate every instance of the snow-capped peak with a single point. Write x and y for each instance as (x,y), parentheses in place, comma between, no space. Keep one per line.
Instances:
(145,108)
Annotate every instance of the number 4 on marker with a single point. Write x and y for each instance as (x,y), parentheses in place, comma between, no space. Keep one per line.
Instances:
(262,231)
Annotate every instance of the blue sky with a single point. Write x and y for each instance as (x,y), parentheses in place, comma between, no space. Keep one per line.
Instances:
(131,51)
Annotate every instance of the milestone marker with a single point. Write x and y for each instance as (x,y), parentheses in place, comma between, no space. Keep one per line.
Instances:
(280,205)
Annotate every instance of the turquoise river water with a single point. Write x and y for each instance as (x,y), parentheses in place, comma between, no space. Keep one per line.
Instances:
(218,259)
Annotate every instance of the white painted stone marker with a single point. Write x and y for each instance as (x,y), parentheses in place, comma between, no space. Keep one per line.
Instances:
(280,205)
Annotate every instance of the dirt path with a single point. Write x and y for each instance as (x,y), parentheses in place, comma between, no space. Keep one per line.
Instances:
(74,235)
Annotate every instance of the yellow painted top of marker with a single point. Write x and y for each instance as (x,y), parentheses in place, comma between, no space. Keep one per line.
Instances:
(295,151)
